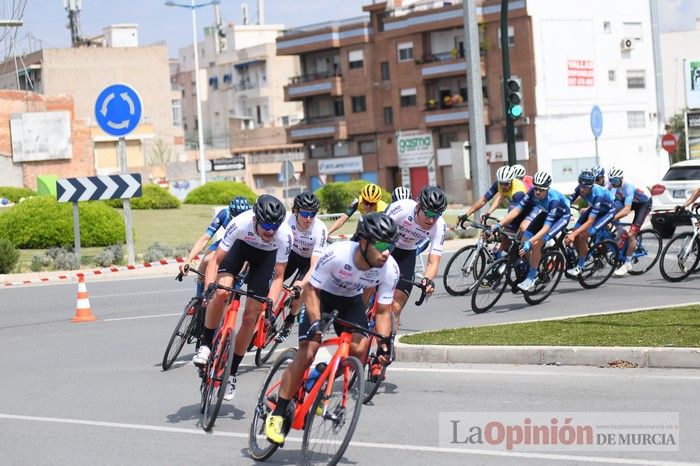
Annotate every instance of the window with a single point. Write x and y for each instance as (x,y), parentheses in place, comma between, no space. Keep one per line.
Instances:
(606,27)
(408,97)
(341,149)
(318,151)
(177,113)
(635,120)
(338,107)
(388,116)
(358,104)
(356,59)
(285,121)
(405,51)
(511,36)
(635,79)
(633,30)
(368,147)
(611,76)
(385,70)
(446,140)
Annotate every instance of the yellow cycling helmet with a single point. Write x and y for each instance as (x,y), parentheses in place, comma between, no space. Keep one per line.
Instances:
(371,193)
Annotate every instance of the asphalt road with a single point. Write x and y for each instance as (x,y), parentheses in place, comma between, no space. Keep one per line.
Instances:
(94,393)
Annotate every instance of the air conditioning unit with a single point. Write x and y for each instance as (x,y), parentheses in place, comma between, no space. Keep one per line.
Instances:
(627,44)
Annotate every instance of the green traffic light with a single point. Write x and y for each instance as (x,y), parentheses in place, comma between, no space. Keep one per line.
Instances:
(516,111)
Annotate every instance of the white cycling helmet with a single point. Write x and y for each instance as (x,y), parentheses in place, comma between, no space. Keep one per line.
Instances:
(616,173)
(542,179)
(519,171)
(505,174)
(402,192)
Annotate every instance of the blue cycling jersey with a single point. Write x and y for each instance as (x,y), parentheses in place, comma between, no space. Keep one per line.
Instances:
(221,220)
(555,204)
(626,193)
(599,199)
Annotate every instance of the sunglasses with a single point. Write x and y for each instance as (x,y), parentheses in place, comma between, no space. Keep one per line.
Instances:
(541,190)
(369,203)
(307,214)
(431,213)
(382,246)
(615,180)
(505,184)
(269,226)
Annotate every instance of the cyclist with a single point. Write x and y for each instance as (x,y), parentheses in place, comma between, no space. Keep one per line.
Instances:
(599,173)
(370,200)
(261,238)
(628,198)
(600,212)
(337,282)
(308,240)
(522,176)
(693,197)
(237,206)
(551,217)
(400,193)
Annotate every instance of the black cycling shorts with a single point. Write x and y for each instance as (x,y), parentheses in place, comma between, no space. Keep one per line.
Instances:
(641,210)
(351,308)
(406,258)
(297,265)
(261,263)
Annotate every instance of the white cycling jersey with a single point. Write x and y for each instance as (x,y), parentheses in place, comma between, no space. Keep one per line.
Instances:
(242,227)
(337,274)
(309,242)
(410,233)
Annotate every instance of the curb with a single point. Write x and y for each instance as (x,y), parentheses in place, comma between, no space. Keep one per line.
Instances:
(650,357)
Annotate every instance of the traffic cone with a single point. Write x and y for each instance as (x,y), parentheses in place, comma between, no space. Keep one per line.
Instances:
(83,312)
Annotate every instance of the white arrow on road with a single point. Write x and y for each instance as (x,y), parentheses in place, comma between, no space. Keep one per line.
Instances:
(90,189)
(134,185)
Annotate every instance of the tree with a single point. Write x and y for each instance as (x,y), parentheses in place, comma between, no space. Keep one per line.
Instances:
(160,153)
(677,126)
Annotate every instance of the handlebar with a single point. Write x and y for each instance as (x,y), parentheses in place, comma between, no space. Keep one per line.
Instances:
(188,269)
(261,299)
(419,285)
(333,318)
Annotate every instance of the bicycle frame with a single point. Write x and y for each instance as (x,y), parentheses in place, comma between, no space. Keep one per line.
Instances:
(262,326)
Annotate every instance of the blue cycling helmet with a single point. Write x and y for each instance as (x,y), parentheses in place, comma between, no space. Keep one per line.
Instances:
(598,171)
(586,178)
(238,205)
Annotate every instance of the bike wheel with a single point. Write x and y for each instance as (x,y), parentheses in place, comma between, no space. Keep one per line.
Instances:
(490,285)
(183,331)
(647,252)
(372,384)
(326,436)
(549,274)
(463,270)
(601,262)
(217,378)
(679,257)
(260,447)
(262,355)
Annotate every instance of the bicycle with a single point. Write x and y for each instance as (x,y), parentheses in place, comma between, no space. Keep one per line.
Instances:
(466,265)
(216,372)
(332,404)
(647,252)
(681,255)
(513,269)
(265,337)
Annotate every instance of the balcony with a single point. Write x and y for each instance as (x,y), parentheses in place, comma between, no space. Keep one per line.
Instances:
(445,115)
(313,84)
(317,128)
(444,65)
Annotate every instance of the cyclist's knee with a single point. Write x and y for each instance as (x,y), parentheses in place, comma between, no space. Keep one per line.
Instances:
(220,296)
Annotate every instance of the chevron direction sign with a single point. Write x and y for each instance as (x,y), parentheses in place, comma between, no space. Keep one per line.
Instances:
(94,188)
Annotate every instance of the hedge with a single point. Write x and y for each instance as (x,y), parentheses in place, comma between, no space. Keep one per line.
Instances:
(41,222)
(154,197)
(335,197)
(220,193)
(15,194)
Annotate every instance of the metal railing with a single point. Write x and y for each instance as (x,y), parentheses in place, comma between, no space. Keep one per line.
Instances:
(304,78)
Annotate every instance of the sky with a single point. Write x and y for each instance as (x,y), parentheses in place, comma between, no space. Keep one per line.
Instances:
(46,19)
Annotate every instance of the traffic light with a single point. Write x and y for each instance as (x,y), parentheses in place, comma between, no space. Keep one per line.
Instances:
(514,97)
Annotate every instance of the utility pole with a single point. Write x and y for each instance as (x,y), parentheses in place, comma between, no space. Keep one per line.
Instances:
(505,53)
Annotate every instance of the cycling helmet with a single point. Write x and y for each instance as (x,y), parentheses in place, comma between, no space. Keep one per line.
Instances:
(616,173)
(586,178)
(598,171)
(371,193)
(542,179)
(402,192)
(306,201)
(505,174)
(378,226)
(269,209)
(432,198)
(519,171)
(238,205)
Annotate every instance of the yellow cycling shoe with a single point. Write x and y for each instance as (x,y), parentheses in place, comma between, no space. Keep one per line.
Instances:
(273,428)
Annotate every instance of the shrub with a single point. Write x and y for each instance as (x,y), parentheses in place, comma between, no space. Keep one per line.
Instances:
(41,222)
(335,197)
(450,235)
(9,256)
(117,251)
(154,197)
(66,261)
(15,194)
(157,251)
(182,250)
(219,193)
(104,258)
(40,262)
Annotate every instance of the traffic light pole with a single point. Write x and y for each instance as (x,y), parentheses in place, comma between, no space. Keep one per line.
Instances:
(510,126)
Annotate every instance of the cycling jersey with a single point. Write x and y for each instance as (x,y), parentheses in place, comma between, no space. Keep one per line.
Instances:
(599,199)
(555,205)
(358,204)
(513,195)
(403,212)
(309,242)
(243,228)
(222,219)
(627,193)
(337,274)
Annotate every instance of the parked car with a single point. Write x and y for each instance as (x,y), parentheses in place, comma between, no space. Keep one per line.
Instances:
(675,188)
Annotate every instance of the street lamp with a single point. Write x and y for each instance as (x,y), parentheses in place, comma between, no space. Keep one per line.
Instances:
(193,6)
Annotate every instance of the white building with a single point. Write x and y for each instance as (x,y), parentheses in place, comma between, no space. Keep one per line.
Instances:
(677,48)
(595,53)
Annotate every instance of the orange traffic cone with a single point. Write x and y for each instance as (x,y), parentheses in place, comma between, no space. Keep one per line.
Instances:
(83,312)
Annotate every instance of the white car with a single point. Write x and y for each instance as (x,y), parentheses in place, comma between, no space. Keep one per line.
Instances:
(675,188)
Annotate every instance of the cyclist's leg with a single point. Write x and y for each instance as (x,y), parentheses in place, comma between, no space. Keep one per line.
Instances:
(581,241)
(199,282)
(641,210)
(406,259)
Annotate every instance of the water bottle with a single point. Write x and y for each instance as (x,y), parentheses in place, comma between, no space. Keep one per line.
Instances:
(315,373)
(623,239)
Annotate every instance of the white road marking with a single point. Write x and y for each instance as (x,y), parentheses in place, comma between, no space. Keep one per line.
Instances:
(142,317)
(602,373)
(130,293)
(377,445)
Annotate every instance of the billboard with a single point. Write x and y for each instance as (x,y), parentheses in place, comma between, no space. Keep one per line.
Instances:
(414,148)
(692,83)
(38,136)
(693,134)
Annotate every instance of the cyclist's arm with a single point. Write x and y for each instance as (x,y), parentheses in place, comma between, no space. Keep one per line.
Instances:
(495,202)
(623,212)
(476,206)
(197,248)
(586,225)
(510,216)
(693,197)
(277,282)
(540,234)
(213,266)
(338,223)
(431,268)
(312,302)
(312,265)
